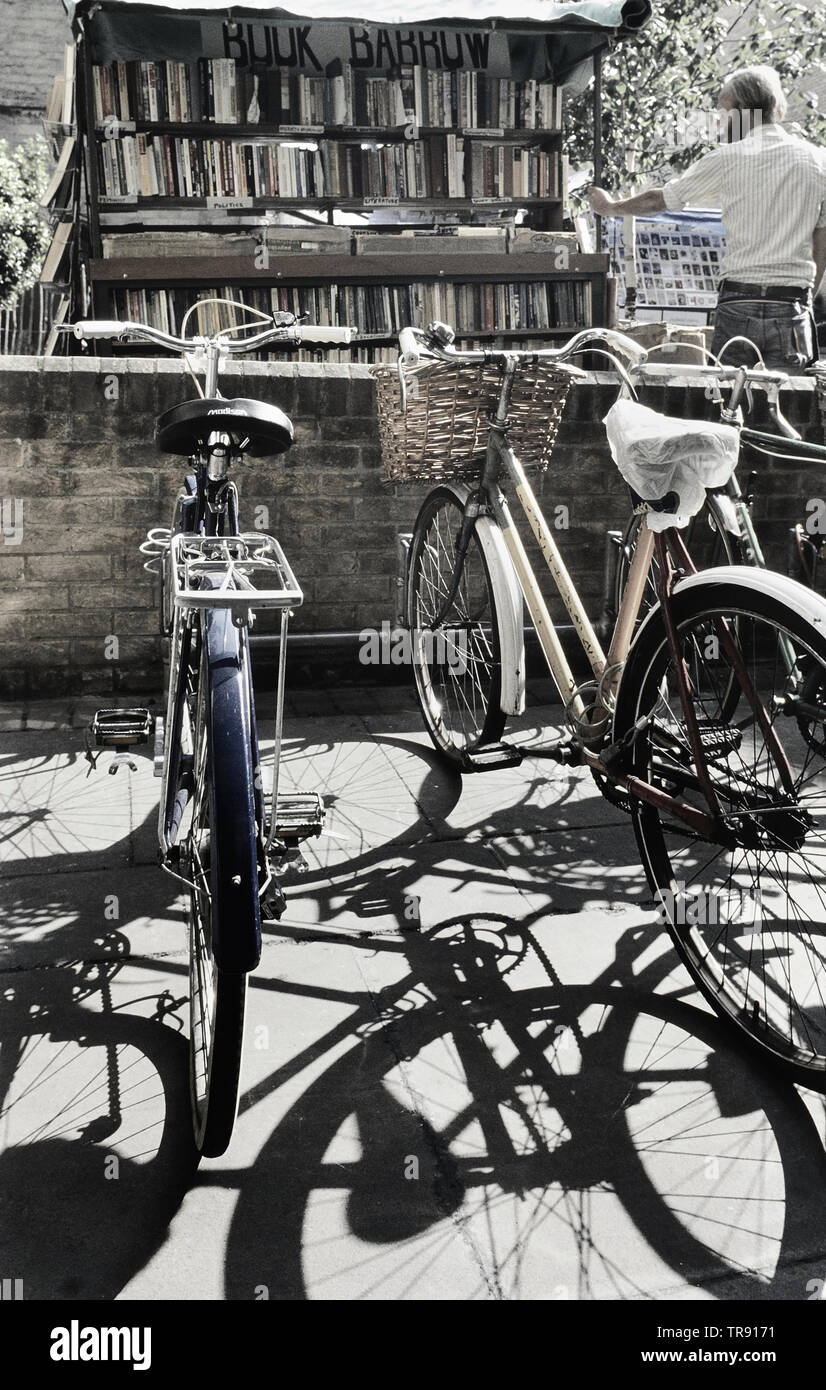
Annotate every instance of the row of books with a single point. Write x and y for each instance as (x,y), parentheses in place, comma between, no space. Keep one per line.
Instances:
(168,91)
(164,166)
(220,90)
(437,166)
(377,308)
(457,100)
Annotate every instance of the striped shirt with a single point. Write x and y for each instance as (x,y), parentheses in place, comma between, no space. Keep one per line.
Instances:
(771,188)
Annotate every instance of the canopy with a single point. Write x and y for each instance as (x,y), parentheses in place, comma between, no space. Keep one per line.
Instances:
(574,29)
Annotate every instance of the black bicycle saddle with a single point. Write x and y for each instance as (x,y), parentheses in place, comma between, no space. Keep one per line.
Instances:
(185,428)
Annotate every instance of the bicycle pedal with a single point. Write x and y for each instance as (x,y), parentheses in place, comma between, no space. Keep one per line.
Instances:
(120,728)
(492,757)
(566,750)
(719,739)
(299,816)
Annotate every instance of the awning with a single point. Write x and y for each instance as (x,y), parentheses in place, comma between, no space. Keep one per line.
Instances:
(574,29)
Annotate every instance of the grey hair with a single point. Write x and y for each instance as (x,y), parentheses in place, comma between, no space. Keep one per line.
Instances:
(757,89)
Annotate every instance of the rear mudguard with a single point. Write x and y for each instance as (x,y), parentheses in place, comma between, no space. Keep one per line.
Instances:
(236,906)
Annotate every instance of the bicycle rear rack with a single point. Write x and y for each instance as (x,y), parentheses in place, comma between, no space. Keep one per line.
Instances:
(252,568)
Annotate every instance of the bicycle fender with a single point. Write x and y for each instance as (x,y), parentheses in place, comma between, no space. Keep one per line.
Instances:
(234,858)
(775,586)
(508,599)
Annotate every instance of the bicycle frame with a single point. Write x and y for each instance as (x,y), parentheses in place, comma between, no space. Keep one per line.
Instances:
(605,668)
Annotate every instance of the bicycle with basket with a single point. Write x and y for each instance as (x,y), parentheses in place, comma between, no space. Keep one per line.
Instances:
(705,721)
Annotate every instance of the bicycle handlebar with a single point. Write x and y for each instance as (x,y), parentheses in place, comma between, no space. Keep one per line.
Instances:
(756,376)
(293,334)
(416,342)
(740,378)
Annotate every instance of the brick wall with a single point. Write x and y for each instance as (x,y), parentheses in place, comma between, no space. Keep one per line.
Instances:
(34,35)
(76,452)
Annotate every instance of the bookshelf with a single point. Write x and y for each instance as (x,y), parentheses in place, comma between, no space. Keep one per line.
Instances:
(61,199)
(259,133)
(484,302)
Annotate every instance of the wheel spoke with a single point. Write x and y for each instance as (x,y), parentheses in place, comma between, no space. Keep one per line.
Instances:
(456,655)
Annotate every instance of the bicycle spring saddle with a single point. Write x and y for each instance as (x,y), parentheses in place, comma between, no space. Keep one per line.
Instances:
(186,427)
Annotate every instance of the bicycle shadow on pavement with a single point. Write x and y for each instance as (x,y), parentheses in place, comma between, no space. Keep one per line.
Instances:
(490,1132)
(97,1152)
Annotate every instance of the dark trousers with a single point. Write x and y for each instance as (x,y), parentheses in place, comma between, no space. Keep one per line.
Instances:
(783,330)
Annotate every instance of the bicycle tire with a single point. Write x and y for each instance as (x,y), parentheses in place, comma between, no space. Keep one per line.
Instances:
(744,908)
(460,694)
(224,908)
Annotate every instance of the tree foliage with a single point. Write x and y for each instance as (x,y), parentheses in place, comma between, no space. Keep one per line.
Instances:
(23,234)
(660,89)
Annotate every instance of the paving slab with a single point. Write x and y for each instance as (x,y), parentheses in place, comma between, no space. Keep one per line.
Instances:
(474,1069)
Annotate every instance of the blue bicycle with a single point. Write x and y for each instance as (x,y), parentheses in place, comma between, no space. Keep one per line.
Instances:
(226,836)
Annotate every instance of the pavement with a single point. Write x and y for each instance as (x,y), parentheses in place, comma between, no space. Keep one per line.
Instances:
(474,1068)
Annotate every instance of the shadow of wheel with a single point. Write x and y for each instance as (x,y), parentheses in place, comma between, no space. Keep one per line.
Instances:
(617,1136)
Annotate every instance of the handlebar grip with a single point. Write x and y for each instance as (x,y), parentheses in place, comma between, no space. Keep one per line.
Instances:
(314,333)
(97,328)
(409,347)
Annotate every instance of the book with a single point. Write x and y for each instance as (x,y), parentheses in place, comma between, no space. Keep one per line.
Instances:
(58,317)
(68,112)
(54,104)
(62,173)
(55,266)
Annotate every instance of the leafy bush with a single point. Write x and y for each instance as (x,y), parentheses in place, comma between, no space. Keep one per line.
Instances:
(675,67)
(24,236)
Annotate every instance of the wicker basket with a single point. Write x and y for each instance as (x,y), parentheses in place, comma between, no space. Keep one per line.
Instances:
(444,431)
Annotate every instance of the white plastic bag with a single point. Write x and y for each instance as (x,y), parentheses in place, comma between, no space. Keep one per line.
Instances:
(658,455)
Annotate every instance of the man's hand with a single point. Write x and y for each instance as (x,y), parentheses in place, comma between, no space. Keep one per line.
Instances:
(601,203)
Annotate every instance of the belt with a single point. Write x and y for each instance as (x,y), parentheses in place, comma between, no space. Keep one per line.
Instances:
(740,287)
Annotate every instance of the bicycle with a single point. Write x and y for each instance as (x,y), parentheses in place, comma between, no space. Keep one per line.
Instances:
(701,723)
(733,538)
(219,834)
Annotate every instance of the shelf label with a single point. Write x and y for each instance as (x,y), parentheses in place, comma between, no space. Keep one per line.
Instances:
(112,127)
(380,202)
(301,130)
(228,204)
(483,130)
(110,200)
(491,200)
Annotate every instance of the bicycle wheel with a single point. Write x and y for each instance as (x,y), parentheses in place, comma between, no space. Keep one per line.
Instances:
(224,910)
(746,908)
(457,664)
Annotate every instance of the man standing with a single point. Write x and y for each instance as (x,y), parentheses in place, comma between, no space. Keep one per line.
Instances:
(771,187)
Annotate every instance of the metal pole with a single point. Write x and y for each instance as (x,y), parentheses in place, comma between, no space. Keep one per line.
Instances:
(598,137)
